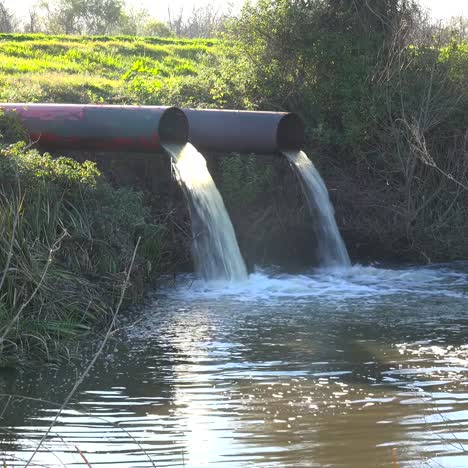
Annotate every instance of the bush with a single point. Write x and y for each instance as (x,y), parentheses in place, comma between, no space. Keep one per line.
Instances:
(382,100)
(66,241)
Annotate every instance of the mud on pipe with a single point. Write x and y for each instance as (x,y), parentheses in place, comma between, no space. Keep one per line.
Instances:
(101,127)
(245,131)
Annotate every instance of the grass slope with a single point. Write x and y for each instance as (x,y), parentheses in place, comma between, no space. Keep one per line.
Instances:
(83,69)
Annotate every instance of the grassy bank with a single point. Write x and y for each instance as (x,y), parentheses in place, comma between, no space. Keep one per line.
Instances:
(132,70)
(66,242)
(80,69)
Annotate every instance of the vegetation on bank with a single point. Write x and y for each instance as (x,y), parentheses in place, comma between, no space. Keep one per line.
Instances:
(383,93)
(66,242)
(84,69)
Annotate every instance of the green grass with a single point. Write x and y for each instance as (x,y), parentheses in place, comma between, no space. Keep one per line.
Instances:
(134,70)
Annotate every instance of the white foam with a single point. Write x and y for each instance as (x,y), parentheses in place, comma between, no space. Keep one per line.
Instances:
(336,284)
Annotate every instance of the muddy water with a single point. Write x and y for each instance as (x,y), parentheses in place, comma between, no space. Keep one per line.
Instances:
(362,367)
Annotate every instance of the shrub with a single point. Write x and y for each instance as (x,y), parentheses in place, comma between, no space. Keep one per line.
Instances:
(66,240)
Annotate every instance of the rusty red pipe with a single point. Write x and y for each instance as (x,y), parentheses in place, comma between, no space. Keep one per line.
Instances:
(146,128)
(101,127)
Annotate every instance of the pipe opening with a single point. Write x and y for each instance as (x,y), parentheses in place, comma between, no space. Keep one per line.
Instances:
(290,133)
(173,126)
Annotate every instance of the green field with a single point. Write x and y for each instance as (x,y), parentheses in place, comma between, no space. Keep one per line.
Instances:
(118,70)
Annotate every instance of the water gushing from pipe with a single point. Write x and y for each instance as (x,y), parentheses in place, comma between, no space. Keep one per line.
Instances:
(215,249)
(331,248)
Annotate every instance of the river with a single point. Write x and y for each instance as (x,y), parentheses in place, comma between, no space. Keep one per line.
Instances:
(361,367)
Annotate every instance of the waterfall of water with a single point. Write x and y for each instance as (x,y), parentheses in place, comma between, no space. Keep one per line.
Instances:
(215,249)
(331,248)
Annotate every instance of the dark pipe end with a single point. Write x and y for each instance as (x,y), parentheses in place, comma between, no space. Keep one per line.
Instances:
(290,133)
(174,126)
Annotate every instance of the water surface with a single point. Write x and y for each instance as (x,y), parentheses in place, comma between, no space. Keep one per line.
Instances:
(358,367)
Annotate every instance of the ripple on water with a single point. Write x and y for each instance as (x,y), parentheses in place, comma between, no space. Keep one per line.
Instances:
(362,367)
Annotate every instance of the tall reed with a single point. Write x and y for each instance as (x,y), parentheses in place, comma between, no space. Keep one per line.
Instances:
(66,240)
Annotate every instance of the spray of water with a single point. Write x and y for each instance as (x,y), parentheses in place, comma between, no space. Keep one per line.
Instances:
(331,248)
(215,249)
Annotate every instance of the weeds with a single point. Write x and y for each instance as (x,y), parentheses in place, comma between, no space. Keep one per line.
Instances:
(84,374)
(66,238)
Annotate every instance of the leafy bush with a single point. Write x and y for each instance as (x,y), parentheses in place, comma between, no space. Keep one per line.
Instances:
(66,241)
(383,98)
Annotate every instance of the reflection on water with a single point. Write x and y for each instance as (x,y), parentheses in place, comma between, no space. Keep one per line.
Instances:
(361,367)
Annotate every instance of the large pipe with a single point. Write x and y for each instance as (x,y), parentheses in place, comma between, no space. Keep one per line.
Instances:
(245,131)
(101,127)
